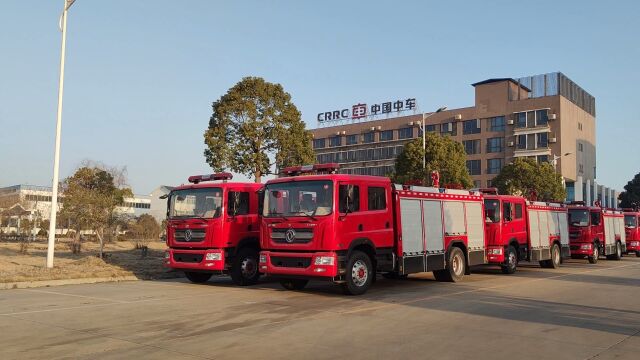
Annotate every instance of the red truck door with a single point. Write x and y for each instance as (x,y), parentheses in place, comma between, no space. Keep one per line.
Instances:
(515,226)
(241,222)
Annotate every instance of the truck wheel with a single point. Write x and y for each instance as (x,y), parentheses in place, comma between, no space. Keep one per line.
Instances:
(596,254)
(244,270)
(556,258)
(197,277)
(359,274)
(512,261)
(455,269)
(294,284)
(618,254)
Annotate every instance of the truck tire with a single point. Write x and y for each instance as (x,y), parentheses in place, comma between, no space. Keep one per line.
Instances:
(556,257)
(197,277)
(244,270)
(596,254)
(293,284)
(359,274)
(618,254)
(512,261)
(455,269)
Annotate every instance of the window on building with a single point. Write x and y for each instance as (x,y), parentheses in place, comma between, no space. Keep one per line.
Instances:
(580,146)
(318,143)
(238,201)
(369,137)
(489,183)
(543,140)
(497,123)
(335,141)
(531,119)
(448,128)
(386,135)
(543,158)
(474,167)
(494,166)
(376,198)
(471,127)
(477,184)
(580,126)
(352,202)
(521,142)
(581,169)
(405,133)
(495,145)
(542,118)
(471,146)
(430,128)
(521,119)
(352,139)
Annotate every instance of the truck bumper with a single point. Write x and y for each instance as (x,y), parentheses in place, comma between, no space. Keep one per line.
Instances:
(495,254)
(581,249)
(633,246)
(195,259)
(299,264)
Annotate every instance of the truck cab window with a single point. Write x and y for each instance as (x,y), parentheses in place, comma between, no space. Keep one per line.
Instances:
(349,198)
(507,211)
(376,198)
(595,218)
(518,211)
(238,201)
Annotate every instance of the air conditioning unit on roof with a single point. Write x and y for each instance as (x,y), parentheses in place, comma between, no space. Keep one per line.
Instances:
(553,140)
(510,121)
(511,143)
(458,117)
(551,116)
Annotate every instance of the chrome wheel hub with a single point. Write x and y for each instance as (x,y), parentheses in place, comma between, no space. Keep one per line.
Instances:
(359,273)
(248,267)
(456,264)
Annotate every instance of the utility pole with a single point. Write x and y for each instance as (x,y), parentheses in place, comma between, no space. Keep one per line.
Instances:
(56,153)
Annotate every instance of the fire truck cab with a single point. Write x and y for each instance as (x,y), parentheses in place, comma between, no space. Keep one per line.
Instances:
(518,229)
(346,228)
(594,231)
(632,231)
(213,228)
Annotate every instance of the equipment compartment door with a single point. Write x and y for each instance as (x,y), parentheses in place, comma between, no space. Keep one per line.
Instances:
(564,229)
(534,229)
(434,232)
(475,225)
(544,230)
(411,219)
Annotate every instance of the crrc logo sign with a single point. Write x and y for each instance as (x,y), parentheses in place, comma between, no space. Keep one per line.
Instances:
(360,111)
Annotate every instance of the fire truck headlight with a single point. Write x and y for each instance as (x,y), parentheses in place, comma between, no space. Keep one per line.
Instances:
(213,257)
(324,260)
(263,258)
(585,246)
(497,251)
(633,243)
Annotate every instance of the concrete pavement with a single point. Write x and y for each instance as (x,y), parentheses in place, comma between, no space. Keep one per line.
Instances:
(579,311)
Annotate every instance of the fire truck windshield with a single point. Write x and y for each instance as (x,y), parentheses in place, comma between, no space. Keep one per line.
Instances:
(298,198)
(630,221)
(201,203)
(578,217)
(492,211)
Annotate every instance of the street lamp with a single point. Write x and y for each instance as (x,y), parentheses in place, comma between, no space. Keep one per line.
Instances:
(56,154)
(556,158)
(424,141)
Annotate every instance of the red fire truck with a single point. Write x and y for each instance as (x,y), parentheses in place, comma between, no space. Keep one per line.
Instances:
(594,231)
(213,227)
(346,228)
(632,231)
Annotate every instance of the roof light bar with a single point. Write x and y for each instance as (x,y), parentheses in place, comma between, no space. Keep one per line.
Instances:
(330,168)
(211,177)
(489,191)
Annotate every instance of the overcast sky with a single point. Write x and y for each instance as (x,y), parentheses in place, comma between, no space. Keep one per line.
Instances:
(141,75)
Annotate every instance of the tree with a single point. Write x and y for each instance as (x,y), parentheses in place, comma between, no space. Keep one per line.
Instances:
(255,126)
(526,176)
(442,154)
(146,227)
(630,197)
(90,200)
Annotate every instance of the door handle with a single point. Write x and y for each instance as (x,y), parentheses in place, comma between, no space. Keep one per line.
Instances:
(360,227)
(249,227)
(386,225)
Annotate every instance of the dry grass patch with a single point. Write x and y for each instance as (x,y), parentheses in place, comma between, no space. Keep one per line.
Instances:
(121,259)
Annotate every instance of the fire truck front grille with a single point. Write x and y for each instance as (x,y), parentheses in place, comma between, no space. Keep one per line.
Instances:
(189,235)
(300,236)
(291,262)
(574,234)
(187,258)
(575,247)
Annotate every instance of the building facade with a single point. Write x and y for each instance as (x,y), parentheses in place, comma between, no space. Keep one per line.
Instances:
(546,117)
